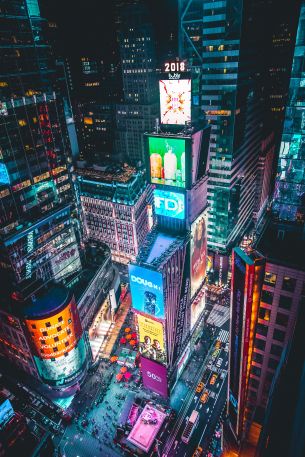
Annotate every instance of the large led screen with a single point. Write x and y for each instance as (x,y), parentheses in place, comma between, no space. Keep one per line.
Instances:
(151,339)
(198,252)
(170,204)
(167,161)
(146,291)
(154,376)
(175,101)
(59,349)
(6,412)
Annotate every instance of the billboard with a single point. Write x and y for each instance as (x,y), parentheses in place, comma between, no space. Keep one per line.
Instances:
(241,309)
(169,204)
(182,307)
(154,376)
(175,101)
(198,252)
(151,338)
(59,349)
(146,291)
(167,161)
(6,413)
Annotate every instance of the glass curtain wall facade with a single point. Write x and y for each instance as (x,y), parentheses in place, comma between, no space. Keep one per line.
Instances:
(289,195)
(217,36)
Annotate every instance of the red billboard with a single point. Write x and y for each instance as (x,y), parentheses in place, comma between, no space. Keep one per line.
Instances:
(154,376)
(241,309)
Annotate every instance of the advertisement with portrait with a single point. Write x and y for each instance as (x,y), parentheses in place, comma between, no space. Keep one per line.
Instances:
(169,204)
(65,370)
(198,252)
(146,288)
(154,376)
(167,160)
(175,101)
(151,339)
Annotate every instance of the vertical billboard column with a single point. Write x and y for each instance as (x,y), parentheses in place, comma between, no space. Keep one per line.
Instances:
(241,311)
(198,263)
(175,99)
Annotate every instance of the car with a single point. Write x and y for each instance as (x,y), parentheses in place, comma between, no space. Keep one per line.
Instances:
(213,378)
(198,452)
(204,398)
(218,344)
(219,362)
(200,387)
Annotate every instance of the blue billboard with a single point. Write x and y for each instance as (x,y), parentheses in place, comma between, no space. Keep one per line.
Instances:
(6,412)
(170,204)
(146,291)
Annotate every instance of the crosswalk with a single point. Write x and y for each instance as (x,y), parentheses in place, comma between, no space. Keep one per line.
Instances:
(223,336)
(219,315)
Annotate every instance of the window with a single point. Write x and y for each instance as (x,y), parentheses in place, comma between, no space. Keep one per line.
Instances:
(254,382)
(256,371)
(282,319)
(278,335)
(273,363)
(260,344)
(262,329)
(60,319)
(45,333)
(48,324)
(264,313)
(59,328)
(288,284)
(285,302)
(55,349)
(267,297)
(275,349)
(56,339)
(270,279)
(258,357)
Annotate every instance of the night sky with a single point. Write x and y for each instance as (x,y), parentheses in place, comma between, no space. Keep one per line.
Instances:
(88,27)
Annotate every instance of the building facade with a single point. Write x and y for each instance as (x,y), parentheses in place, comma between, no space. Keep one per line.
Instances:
(114,208)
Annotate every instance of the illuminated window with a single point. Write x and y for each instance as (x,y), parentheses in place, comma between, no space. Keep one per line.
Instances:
(264,313)
(270,279)
(22,122)
(221,47)
(288,284)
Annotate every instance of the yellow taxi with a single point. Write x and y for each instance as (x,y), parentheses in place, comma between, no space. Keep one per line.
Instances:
(198,452)
(204,398)
(213,379)
(200,387)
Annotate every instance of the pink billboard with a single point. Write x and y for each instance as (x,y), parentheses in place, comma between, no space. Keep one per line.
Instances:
(154,376)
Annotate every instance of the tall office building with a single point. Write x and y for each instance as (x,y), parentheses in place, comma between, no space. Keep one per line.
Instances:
(39,237)
(289,195)
(138,112)
(226,40)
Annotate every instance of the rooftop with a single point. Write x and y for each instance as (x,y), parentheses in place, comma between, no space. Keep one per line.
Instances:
(109,173)
(46,301)
(283,244)
(146,428)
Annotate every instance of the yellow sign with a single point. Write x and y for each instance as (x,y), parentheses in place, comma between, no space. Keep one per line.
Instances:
(151,339)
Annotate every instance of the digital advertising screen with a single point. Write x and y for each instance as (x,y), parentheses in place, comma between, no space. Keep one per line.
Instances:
(169,204)
(175,101)
(151,338)
(6,413)
(198,252)
(63,371)
(146,291)
(154,376)
(57,334)
(167,160)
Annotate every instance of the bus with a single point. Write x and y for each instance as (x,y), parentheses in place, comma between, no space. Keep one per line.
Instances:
(190,427)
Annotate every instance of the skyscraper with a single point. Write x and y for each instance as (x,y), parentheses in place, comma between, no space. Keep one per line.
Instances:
(138,112)
(289,195)
(226,40)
